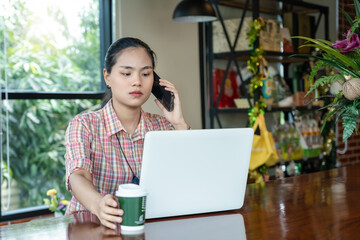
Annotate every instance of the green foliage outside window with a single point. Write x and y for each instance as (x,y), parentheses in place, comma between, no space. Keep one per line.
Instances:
(37,127)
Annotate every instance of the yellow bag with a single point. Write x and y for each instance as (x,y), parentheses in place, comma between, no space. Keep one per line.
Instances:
(263,148)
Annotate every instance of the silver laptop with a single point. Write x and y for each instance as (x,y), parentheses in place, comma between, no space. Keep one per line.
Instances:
(195,171)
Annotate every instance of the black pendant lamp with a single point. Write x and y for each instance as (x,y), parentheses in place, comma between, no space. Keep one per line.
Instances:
(194,11)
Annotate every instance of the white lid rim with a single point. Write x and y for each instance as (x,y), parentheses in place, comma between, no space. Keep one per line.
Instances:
(130,190)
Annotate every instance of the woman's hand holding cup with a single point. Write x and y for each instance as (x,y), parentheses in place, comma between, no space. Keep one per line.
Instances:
(108,212)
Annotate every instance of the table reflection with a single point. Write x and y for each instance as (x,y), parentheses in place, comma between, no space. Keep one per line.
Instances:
(87,226)
(229,226)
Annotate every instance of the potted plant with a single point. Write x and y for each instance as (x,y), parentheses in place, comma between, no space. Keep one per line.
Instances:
(56,202)
(343,57)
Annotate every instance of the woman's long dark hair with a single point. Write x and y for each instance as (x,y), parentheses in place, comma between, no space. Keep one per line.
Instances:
(113,52)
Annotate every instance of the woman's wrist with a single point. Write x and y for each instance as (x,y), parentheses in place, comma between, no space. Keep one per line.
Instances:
(95,209)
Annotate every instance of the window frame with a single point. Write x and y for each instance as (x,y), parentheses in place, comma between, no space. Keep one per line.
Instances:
(106,37)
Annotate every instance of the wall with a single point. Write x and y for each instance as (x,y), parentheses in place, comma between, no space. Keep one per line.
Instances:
(176,47)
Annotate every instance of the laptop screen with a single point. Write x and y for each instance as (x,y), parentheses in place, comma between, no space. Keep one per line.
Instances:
(195,171)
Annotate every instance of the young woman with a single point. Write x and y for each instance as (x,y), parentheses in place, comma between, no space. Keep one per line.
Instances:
(104,148)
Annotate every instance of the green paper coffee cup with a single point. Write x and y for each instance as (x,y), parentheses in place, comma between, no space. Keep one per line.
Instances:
(132,199)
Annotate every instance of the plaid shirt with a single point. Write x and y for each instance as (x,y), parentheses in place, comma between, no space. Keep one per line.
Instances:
(92,145)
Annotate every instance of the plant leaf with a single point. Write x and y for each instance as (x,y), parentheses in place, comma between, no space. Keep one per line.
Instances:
(314,70)
(349,124)
(332,63)
(337,55)
(344,105)
(330,51)
(357,7)
(324,80)
(326,118)
(347,17)
(325,42)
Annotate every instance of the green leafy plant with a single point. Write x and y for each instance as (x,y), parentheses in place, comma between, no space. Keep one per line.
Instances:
(343,56)
(37,127)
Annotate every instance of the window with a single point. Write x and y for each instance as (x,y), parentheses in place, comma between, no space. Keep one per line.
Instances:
(50,62)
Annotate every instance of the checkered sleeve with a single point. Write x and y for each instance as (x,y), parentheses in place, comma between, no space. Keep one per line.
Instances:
(77,142)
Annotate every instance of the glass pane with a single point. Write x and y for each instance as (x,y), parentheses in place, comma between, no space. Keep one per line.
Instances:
(36,148)
(52,45)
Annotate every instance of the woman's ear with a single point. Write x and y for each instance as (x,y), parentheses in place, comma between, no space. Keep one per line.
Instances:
(106,77)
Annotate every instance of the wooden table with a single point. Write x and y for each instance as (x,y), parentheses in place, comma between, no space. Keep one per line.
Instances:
(322,205)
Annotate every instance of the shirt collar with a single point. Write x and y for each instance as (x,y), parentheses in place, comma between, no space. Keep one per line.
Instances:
(113,124)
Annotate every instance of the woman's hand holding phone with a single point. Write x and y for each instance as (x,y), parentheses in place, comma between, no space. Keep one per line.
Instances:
(165,97)
(175,117)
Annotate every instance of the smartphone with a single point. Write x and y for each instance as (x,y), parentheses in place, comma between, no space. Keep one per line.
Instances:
(165,97)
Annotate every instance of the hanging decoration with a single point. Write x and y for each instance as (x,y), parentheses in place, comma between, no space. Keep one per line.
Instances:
(254,65)
(255,27)
(258,108)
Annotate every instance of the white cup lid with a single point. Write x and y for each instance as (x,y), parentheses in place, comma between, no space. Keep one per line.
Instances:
(130,190)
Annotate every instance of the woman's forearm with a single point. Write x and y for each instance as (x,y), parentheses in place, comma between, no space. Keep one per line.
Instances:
(104,207)
(84,190)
